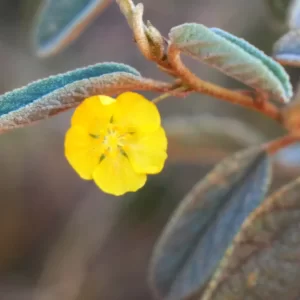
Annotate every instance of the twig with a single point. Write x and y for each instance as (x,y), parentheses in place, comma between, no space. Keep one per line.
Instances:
(170,93)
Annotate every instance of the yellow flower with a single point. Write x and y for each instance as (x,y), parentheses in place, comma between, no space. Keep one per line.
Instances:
(116,142)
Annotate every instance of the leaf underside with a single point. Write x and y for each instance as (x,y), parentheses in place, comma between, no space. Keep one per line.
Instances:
(263,262)
(233,56)
(204,225)
(49,96)
(273,66)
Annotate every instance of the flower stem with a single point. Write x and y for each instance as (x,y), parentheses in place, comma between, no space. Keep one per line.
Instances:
(216,91)
(170,93)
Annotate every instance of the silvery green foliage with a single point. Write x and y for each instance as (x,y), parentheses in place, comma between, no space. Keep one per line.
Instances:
(59,22)
(203,226)
(43,98)
(272,65)
(263,261)
(234,57)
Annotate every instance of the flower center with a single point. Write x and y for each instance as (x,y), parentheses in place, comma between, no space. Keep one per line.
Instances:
(114,140)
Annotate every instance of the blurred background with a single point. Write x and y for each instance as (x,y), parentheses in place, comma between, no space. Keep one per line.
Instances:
(61,237)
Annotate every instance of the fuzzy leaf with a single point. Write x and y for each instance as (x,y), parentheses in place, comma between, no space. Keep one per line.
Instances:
(287,49)
(59,22)
(203,226)
(49,96)
(263,262)
(272,65)
(234,57)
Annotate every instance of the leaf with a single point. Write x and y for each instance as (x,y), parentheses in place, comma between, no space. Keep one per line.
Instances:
(294,14)
(263,262)
(272,65)
(47,97)
(233,56)
(203,226)
(60,22)
(287,49)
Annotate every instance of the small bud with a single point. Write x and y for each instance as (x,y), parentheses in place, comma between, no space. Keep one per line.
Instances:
(147,37)
(139,31)
(156,41)
(127,7)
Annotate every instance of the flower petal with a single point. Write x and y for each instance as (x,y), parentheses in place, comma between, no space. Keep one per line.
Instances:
(82,151)
(147,152)
(115,175)
(135,112)
(94,113)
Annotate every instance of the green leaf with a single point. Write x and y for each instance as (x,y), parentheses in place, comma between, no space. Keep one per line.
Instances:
(272,65)
(287,49)
(235,57)
(203,226)
(263,262)
(43,98)
(59,22)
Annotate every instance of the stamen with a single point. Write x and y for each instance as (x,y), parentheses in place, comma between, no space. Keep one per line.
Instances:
(94,136)
(122,151)
(101,158)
